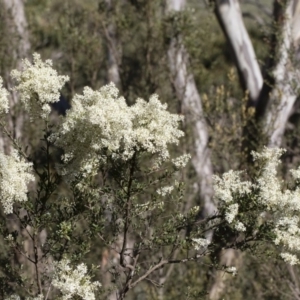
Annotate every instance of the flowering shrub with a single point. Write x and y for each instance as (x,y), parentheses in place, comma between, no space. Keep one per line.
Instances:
(38,85)
(118,184)
(267,196)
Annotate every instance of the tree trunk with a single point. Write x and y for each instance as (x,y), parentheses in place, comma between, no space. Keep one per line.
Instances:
(188,94)
(229,15)
(113,48)
(286,76)
(17,12)
(19,48)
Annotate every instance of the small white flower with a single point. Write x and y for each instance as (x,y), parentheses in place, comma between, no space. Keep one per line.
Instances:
(231,270)
(231,212)
(230,185)
(4,104)
(9,238)
(200,243)
(181,161)
(38,85)
(73,282)
(165,190)
(290,258)
(15,175)
(239,226)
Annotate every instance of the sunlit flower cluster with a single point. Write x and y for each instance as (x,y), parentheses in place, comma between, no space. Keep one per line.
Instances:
(39,85)
(268,183)
(181,161)
(101,124)
(4,104)
(200,243)
(73,282)
(282,205)
(15,174)
(231,270)
(166,190)
(227,189)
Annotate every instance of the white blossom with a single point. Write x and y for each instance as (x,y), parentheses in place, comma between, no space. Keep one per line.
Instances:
(228,185)
(268,183)
(296,173)
(154,127)
(282,205)
(231,212)
(290,258)
(231,270)
(194,210)
(15,174)
(9,238)
(101,124)
(4,103)
(200,243)
(239,226)
(39,85)
(73,282)
(181,161)
(165,190)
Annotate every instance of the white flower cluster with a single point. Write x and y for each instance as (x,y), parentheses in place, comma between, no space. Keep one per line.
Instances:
(38,85)
(268,183)
(15,174)
(200,243)
(231,270)
(290,258)
(283,206)
(74,282)
(4,104)
(181,161)
(164,191)
(101,124)
(227,189)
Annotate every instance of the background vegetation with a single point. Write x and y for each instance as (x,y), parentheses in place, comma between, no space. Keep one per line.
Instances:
(74,34)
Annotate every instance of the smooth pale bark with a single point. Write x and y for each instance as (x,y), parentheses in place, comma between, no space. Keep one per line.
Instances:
(230,18)
(19,49)
(286,76)
(188,94)
(17,12)
(113,50)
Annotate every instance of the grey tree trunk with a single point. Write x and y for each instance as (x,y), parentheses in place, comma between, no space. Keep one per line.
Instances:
(286,76)
(230,18)
(188,94)
(114,52)
(19,48)
(17,12)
